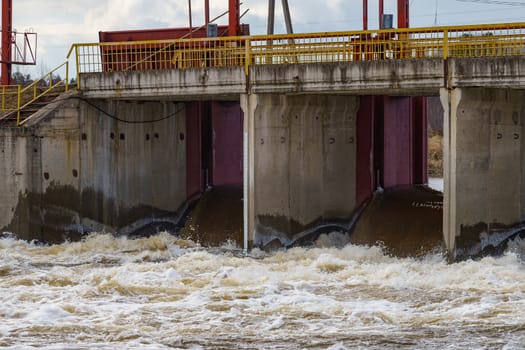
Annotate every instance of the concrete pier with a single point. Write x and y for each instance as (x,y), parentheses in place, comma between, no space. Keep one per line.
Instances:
(483,168)
(304,162)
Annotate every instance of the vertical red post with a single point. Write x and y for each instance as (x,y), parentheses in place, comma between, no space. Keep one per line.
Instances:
(381,13)
(206,11)
(7,28)
(403,14)
(234,17)
(365,14)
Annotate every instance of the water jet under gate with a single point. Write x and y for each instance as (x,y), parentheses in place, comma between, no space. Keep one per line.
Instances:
(389,151)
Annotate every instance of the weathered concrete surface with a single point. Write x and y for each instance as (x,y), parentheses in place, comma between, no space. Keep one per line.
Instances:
(483,168)
(158,84)
(304,163)
(78,170)
(388,77)
(14,167)
(489,72)
(421,76)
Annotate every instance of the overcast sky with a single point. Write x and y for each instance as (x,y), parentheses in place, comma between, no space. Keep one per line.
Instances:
(59,23)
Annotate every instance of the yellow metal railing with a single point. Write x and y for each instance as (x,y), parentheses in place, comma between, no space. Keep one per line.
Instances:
(492,40)
(435,42)
(14,98)
(9,97)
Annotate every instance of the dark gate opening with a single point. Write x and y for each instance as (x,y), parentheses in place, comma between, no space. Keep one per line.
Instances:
(214,173)
(400,211)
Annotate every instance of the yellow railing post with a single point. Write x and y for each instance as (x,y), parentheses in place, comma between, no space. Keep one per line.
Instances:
(18,93)
(247,56)
(78,68)
(67,76)
(445,44)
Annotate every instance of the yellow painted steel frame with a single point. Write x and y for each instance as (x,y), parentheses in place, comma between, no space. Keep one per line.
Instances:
(490,40)
(15,98)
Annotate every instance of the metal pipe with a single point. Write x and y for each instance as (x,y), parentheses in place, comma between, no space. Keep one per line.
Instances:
(287,17)
(271,17)
(189,13)
(7,29)
(365,14)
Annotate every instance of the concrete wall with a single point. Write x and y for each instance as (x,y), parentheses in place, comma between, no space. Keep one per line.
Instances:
(79,170)
(484,164)
(140,166)
(304,163)
(15,150)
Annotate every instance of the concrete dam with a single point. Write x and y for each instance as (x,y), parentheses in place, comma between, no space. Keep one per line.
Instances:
(280,144)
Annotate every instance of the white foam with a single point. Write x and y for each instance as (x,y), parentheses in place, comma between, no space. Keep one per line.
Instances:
(49,313)
(116,296)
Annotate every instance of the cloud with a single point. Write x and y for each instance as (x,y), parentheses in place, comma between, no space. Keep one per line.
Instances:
(60,23)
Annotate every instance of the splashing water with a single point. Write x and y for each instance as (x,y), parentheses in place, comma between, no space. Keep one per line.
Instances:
(163,293)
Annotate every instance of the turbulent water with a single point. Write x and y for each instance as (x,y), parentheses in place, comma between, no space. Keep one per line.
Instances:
(164,293)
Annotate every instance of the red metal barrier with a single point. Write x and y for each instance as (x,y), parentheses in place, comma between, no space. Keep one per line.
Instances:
(227,124)
(391,143)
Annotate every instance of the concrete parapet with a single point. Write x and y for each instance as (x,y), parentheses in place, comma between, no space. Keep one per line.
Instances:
(488,72)
(421,76)
(194,83)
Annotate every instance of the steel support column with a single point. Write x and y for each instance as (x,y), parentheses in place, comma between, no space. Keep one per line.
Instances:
(287,17)
(365,14)
(271,17)
(190,17)
(234,23)
(403,14)
(381,13)
(206,11)
(7,29)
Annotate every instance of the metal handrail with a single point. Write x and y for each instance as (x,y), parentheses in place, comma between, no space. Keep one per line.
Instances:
(489,40)
(35,92)
(14,98)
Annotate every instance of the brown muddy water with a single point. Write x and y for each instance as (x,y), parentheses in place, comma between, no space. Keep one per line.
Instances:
(165,293)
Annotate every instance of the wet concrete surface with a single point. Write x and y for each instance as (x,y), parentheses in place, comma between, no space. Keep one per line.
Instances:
(405,220)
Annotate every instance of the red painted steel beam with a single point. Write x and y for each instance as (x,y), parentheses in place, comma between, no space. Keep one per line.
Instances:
(234,22)
(7,28)
(403,14)
(365,14)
